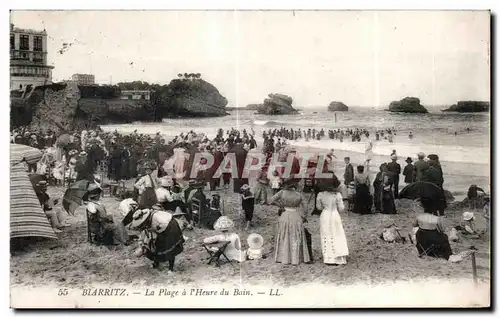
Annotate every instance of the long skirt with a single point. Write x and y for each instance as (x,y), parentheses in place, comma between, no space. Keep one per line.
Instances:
(291,242)
(260,193)
(333,239)
(167,245)
(363,200)
(147,199)
(433,243)
(388,206)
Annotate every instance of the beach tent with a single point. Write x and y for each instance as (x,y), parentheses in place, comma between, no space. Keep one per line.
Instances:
(26,215)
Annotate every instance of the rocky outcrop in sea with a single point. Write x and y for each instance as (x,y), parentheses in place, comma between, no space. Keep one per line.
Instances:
(469,107)
(277,104)
(407,105)
(337,107)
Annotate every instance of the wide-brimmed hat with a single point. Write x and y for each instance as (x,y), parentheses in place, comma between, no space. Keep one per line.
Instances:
(255,241)
(140,217)
(166,182)
(93,192)
(245,187)
(409,160)
(467,216)
(178,212)
(223,223)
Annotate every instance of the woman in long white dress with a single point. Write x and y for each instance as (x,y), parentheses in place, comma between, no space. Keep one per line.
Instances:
(333,239)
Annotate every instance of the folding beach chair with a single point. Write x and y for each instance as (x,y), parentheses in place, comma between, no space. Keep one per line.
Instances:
(216,254)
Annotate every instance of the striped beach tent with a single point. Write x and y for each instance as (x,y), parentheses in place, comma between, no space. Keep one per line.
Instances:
(26,215)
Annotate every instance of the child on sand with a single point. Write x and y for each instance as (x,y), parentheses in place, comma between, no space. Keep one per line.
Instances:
(248,204)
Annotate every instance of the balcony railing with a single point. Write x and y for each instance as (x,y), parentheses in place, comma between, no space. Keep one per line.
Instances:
(29,75)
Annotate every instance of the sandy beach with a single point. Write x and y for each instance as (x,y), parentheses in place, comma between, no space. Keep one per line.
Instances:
(72,262)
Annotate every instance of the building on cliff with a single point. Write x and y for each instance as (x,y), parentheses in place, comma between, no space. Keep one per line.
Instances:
(28,58)
(83,79)
(136,94)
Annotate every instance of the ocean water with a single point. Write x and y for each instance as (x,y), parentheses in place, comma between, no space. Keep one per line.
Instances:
(433,132)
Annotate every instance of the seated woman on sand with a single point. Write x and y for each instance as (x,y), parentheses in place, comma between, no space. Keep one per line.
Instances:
(233,250)
(431,238)
(101,224)
(161,239)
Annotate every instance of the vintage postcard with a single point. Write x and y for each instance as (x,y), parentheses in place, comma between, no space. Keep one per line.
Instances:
(249,159)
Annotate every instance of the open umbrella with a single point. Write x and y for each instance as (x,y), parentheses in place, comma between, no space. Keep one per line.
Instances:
(63,140)
(73,197)
(431,195)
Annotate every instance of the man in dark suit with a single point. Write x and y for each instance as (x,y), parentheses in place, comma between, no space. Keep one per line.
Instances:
(394,170)
(420,167)
(349,171)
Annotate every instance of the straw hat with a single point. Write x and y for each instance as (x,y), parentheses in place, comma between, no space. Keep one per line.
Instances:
(166,182)
(245,187)
(223,223)
(468,216)
(255,241)
(140,217)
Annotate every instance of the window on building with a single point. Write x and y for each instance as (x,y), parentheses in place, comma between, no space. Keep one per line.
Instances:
(24,43)
(37,43)
(12,41)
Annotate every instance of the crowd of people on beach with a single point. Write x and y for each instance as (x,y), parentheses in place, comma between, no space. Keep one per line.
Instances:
(160,205)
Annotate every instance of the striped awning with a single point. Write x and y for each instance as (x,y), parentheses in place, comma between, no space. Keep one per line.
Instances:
(26,215)
(19,152)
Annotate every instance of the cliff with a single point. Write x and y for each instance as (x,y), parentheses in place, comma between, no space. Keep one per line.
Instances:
(469,107)
(407,105)
(337,107)
(192,98)
(66,107)
(277,104)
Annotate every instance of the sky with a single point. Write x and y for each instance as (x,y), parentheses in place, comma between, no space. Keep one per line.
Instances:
(361,58)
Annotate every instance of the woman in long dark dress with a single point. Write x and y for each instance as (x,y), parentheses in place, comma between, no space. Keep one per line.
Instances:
(363,200)
(388,206)
(377,186)
(430,236)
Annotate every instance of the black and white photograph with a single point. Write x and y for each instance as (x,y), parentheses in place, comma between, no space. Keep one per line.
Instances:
(250,159)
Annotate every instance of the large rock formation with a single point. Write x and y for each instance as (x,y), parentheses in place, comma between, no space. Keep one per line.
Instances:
(277,104)
(66,107)
(337,107)
(195,97)
(407,105)
(469,107)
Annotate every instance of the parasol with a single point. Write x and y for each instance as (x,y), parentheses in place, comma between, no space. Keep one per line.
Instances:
(73,197)
(63,140)
(425,191)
